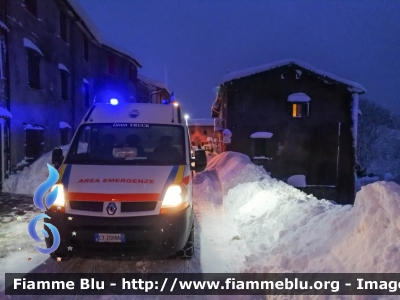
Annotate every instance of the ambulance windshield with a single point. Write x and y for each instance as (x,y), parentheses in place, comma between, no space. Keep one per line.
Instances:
(128,144)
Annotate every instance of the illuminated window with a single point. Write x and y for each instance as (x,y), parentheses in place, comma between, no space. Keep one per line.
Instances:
(300,110)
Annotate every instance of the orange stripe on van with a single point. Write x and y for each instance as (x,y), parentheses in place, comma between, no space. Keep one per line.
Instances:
(186,180)
(113,197)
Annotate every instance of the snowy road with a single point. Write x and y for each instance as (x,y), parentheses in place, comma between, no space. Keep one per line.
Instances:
(245,221)
(211,249)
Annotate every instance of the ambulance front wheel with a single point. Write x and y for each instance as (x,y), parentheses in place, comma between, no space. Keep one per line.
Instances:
(60,256)
(62,251)
(188,250)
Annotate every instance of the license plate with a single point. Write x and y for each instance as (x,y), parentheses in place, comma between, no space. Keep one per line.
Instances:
(109,237)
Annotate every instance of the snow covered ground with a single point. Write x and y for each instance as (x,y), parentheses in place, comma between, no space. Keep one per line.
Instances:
(247,221)
(285,230)
(26,181)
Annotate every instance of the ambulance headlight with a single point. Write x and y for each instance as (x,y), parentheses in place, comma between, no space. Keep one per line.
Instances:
(60,200)
(174,196)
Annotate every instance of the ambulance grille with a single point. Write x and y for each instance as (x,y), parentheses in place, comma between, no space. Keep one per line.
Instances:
(86,205)
(138,206)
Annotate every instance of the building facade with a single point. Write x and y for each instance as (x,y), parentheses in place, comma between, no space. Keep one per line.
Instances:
(297,121)
(202,133)
(152,91)
(54,66)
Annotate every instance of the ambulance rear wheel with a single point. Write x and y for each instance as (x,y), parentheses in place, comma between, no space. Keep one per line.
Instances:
(188,250)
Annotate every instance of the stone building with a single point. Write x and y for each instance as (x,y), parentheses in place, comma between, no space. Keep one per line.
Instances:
(298,121)
(54,66)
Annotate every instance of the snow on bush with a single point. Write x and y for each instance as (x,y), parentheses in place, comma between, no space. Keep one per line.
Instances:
(387,154)
(286,230)
(378,144)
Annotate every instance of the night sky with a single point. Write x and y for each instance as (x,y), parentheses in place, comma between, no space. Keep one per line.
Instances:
(192,44)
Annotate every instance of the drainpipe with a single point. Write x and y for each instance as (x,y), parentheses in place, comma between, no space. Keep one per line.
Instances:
(355,97)
(73,93)
(2,147)
(354,116)
(8,93)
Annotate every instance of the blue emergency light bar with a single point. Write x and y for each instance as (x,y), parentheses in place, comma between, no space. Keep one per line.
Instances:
(114,101)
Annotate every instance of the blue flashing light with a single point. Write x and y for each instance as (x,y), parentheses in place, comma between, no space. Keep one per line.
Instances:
(165,101)
(113,101)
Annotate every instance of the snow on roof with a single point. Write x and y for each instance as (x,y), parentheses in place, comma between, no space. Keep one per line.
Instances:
(201,122)
(297,180)
(122,52)
(85,80)
(4,26)
(29,44)
(356,87)
(92,28)
(4,113)
(32,127)
(62,67)
(63,125)
(85,19)
(298,97)
(227,132)
(153,82)
(261,135)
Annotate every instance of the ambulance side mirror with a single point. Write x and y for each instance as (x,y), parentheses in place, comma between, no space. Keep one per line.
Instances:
(57,157)
(199,163)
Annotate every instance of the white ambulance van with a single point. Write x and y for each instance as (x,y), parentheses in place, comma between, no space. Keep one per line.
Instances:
(126,182)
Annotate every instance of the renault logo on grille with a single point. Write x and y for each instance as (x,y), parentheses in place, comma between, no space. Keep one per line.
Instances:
(111,208)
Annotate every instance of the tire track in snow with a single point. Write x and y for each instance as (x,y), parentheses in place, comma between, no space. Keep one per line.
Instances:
(223,249)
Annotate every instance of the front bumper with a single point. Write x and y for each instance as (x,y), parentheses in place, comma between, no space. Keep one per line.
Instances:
(164,233)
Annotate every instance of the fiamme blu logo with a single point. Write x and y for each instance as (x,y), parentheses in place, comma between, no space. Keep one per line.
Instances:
(44,204)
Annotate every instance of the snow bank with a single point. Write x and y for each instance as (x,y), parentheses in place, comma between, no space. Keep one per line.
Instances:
(26,181)
(250,222)
(235,168)
(286,230)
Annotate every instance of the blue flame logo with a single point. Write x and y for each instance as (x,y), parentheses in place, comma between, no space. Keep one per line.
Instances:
(38,201)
